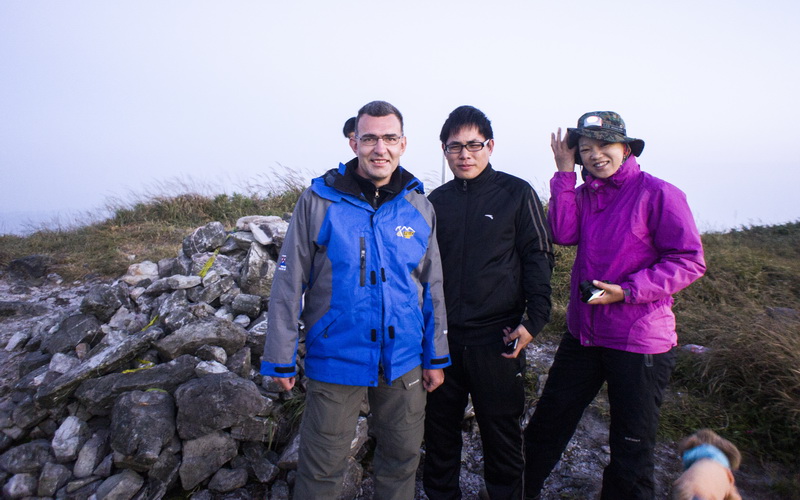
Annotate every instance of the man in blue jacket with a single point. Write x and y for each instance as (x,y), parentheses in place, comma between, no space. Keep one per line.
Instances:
(360,267)
(497,257)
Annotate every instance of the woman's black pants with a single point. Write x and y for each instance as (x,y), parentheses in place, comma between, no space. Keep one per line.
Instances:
(636,384)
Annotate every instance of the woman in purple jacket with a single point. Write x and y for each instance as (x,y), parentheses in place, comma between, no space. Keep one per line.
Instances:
(637,245)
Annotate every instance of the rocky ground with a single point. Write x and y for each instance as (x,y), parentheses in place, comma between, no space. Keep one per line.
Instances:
(28,308)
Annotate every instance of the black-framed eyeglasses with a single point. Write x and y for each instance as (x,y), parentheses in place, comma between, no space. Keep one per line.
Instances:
(371,140)
(472,147)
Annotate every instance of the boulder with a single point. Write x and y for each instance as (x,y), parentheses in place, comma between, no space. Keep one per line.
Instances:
(203,456)
(70,438)
(215,402)
(211,331)
(141,424)
(204,239)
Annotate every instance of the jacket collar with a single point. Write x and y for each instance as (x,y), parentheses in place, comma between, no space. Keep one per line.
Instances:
(482,178)
(345,180)
(629,169)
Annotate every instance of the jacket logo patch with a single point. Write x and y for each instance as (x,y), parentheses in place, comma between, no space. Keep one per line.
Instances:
(489,216)
(282,263)
(404,231)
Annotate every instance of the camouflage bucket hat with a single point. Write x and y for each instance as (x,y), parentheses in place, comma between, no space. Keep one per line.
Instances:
(603,126)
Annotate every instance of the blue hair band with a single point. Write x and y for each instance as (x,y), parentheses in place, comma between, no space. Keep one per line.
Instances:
(704,451)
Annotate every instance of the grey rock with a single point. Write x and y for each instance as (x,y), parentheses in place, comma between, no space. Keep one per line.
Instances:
(361,437)
(27,458)
(240,363)
(160,285)
(72,331)
(52,478)
(225,480)
(103,469)
(92,454)
(177,319)
(222,265)
(108,359)
(122,486)
(279,490)
(202,495)
(204,368)
(268,230)
(290,455)
(139,272)
(352,479)
(79,489)
(127,321)
(175,301)
(20,486)
(214,291)
(62,363)
(226,314)
(161,477)
(178,265)
(230,247)
(257,334)
(28,414)
(70,438)
(5,442)
(20,308)
(31,268)
(248,304)
(204,239)
(212,353)
(242,239)
(203,456)
(141,424)
(265,471)
(99,394)
(256,428)
(227,297)
(179,282)
(32,361)
(17,341)
(215,402)
(257,271)
(103,300)
(211,331)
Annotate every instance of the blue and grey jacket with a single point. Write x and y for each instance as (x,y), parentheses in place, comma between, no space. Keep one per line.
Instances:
(366,282)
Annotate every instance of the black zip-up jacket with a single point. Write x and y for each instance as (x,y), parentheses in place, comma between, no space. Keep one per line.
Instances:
(497,256)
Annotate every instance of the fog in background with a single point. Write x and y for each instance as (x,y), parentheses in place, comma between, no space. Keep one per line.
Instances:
(105,102)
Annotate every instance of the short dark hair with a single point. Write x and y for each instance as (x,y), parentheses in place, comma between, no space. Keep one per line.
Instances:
(349,126)
(379,108)
(464,117)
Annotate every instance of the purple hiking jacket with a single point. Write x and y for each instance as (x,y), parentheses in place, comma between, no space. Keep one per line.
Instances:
(634,230)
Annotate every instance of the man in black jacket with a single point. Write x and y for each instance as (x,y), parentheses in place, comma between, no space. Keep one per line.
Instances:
(497,258)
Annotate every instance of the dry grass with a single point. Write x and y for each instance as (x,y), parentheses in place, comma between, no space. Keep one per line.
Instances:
(746,310)
(149,229)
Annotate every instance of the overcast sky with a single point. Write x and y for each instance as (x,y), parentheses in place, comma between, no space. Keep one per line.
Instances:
(108,100)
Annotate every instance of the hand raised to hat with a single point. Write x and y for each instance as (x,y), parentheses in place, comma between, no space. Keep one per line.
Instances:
(564,156)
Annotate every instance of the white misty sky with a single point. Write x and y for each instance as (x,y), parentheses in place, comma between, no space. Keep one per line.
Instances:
(107,100)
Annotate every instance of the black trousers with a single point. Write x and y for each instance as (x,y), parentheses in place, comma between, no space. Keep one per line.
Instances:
(636,384)
(498,396)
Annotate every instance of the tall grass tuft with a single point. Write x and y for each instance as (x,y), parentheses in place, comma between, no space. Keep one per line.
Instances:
(149,229)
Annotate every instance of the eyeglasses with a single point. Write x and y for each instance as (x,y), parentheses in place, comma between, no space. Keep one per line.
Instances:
(371,140)
(472,147)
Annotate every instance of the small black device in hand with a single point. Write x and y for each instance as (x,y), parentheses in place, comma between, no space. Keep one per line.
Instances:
(512,346)
(589,292)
